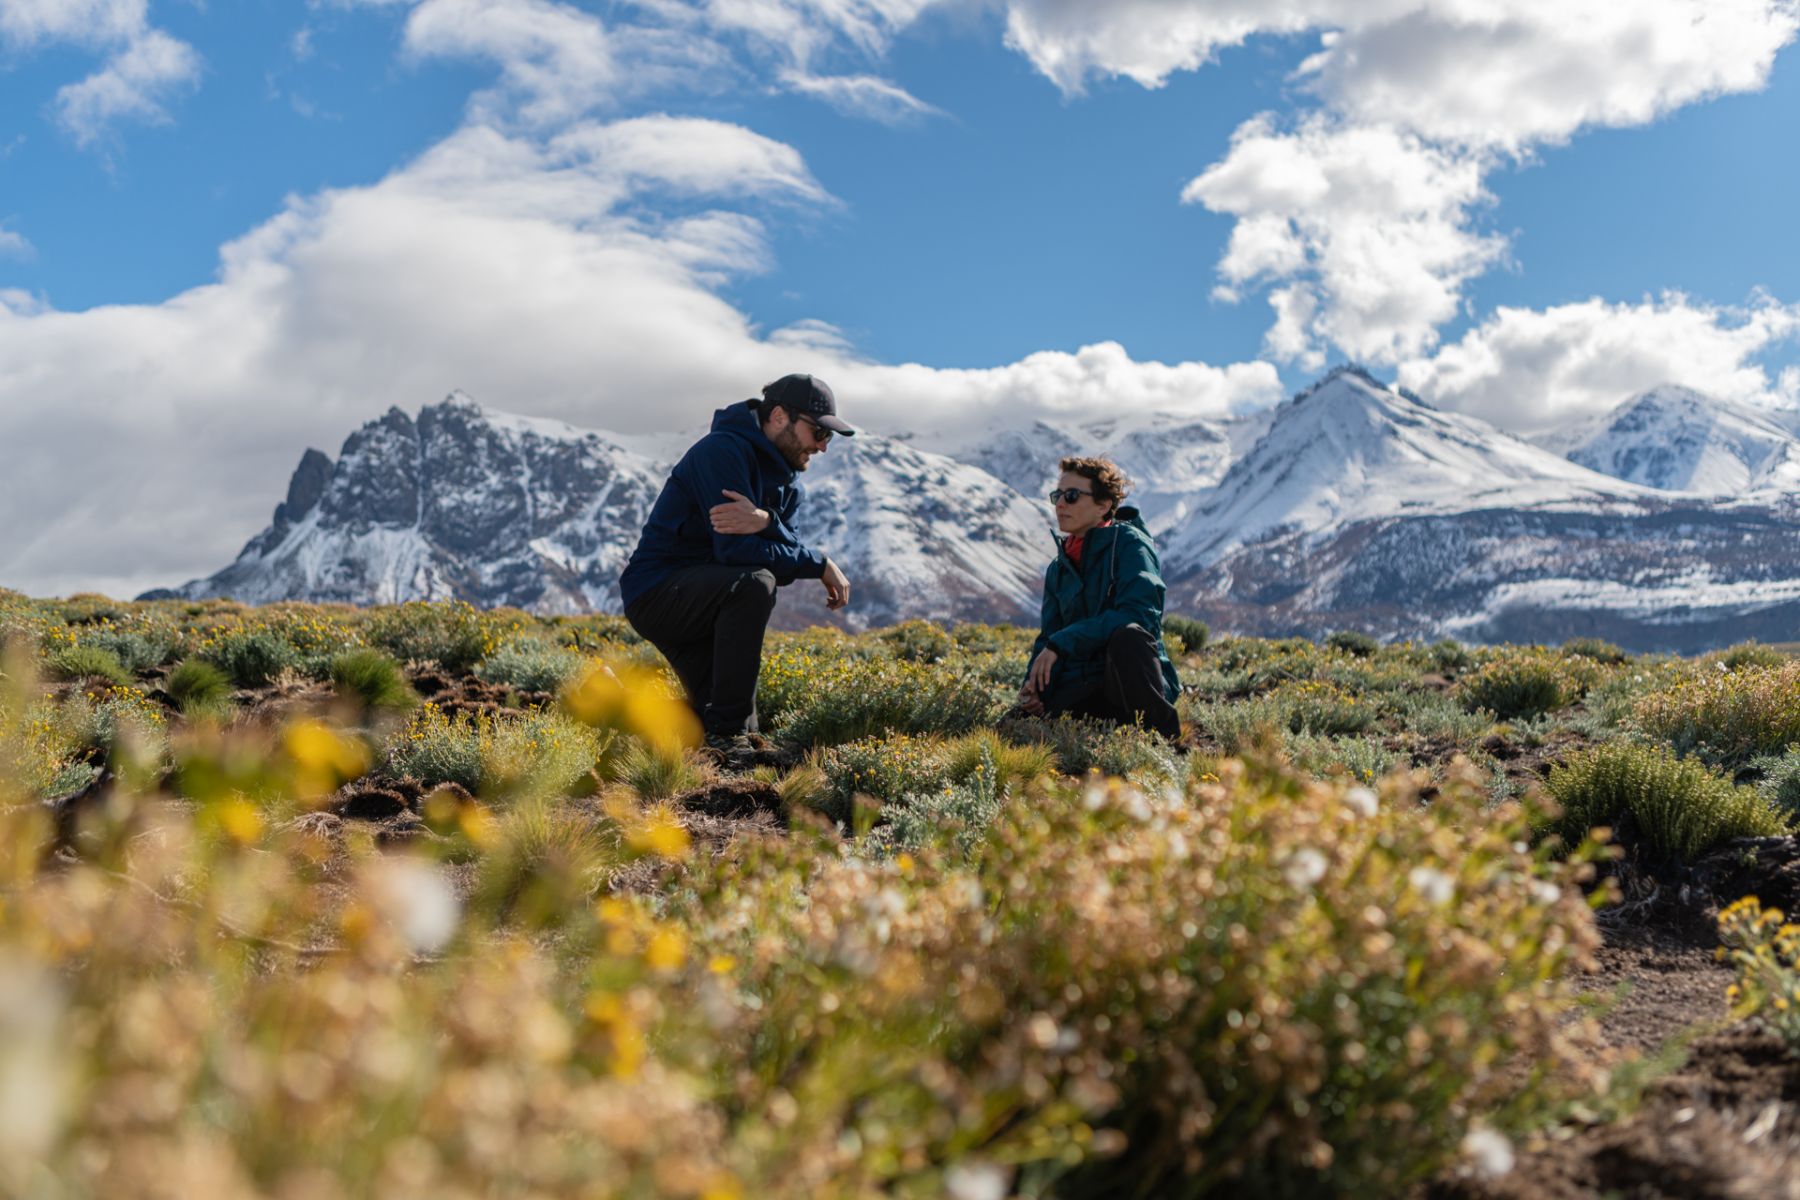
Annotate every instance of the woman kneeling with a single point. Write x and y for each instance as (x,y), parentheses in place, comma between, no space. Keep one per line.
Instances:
(1099,649)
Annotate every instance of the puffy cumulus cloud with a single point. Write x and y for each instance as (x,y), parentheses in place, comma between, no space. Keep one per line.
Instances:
(1527,71)
(1443,91)
(146,68)
(146,443)
(1094,380)
(134,83)
(1366,229)
(1531,370)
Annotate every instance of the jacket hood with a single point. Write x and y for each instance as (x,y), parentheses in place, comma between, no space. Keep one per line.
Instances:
(741,420)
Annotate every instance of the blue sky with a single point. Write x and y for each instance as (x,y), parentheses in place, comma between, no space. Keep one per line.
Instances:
(231,229)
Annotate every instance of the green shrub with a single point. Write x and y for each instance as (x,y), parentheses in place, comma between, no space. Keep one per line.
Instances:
(656,774)
(1520,685)
(372,679)
(1354,642)
(1435,716)
(1105,943)
(253,657)
(1752,654)
(1084,745)
(139,652)
(918,641)
(1780,783)
(820,701)
(534,753)
(885,768)
(199,688)
(956,815)
(1192,633)
(1727,717)
(83,661)
(1594,648)
(546,862)
(1361,759)
(449,633)
(1680,807)
(1448,655)
(532,666)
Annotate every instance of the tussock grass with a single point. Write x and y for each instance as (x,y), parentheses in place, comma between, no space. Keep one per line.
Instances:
(371,679)
(1680,807)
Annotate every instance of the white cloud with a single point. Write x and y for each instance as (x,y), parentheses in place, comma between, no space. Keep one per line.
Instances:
(1440,92)
(1514,74)
(146,69)
(147,442)
(1528,370)
(134,83)
(1366,228)
(88,22)
(14,244)
(861,96)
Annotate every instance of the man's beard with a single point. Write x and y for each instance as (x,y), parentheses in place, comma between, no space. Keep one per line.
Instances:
(788,442)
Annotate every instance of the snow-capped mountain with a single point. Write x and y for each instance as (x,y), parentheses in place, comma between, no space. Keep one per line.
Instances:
(1352,505)
(1679,440)
(470,503)
(1362,507)
(1349,448)
(1173,460)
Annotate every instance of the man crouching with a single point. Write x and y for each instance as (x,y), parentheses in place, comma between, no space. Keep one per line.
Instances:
(720,539)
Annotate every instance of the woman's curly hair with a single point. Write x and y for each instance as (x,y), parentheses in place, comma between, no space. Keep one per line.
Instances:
(1109,483)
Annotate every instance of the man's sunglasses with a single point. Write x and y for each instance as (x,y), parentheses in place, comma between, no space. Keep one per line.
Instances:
(1067,495)
(821,435)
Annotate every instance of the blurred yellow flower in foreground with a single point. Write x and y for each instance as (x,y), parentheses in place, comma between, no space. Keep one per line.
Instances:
(661,835)
(323,759)
(635,702)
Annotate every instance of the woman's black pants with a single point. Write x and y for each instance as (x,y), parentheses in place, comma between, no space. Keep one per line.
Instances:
(1129,690)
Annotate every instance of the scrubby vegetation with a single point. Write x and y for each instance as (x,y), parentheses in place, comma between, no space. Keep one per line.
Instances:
(426,900)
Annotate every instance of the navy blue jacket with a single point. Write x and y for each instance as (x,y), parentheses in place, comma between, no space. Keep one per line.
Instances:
(679,532)
(1118,583)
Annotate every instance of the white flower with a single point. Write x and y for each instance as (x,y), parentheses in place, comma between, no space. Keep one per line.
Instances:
(1489,1152)
(1434,885)
(1545,892)
(1362,801)
(417,901)
(33,1075)
(975,1181)
(1306,867)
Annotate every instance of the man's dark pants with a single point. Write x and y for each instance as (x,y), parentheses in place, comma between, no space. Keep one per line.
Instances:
(1129,688)
(708,621)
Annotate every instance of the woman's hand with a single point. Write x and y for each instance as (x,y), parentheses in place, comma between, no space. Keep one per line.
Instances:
(1038,678)
(740,516)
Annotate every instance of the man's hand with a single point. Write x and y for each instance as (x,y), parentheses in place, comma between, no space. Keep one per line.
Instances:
(1030,702)
(837,587)
(739,516)
(1037,680)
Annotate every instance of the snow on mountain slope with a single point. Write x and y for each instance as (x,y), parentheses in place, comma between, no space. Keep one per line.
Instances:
(1173,460)
(1349,448)
(495,508)
(1680,440)
(920,535)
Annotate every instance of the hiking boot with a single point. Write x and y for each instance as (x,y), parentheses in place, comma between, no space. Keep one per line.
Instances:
(734,751)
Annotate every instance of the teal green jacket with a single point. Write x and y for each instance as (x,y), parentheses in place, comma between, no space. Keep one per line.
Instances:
(1118,583)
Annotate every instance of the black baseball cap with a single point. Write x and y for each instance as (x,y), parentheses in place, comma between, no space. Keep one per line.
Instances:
(809,397)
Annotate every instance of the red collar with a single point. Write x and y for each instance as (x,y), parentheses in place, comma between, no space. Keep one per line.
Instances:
(1076,542)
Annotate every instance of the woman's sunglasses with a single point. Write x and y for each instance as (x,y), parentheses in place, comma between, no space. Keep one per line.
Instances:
(1067,495)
